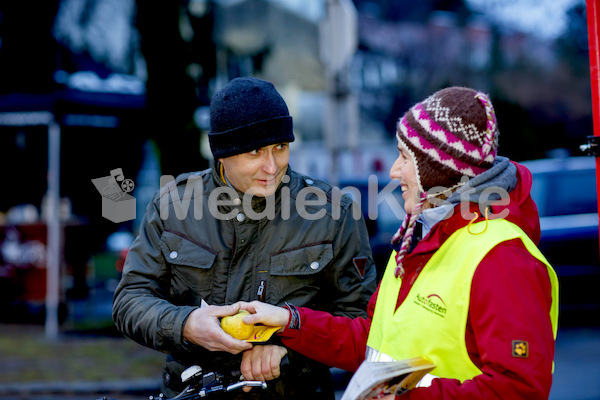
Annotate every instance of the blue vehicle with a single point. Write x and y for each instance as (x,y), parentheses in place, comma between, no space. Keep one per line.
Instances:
(564,190)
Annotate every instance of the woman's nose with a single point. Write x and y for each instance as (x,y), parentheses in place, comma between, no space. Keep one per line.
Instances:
(395,170)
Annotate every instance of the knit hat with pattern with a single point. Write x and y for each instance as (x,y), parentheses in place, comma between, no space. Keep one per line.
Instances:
(450,135)
(247,114)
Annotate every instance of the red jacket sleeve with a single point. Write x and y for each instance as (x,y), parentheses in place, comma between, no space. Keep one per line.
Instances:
(335,341)
(510,301)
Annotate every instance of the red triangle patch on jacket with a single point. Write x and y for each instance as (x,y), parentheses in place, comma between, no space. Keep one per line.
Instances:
(360,263)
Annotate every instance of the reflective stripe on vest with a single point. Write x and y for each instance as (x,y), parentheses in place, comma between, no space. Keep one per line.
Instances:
(432,320)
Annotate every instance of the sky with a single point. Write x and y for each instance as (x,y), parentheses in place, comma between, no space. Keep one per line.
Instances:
(545,18)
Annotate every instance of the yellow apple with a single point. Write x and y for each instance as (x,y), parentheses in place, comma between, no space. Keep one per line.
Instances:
(233,325)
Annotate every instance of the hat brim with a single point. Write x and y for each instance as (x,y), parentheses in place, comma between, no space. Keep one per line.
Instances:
(251,137)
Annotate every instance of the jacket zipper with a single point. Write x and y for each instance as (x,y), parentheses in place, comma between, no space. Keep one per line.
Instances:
(261,290)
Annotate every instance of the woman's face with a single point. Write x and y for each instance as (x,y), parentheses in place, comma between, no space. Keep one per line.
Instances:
(404,171)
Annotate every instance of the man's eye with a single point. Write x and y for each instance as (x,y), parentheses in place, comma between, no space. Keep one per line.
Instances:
(281,146)
(254,152)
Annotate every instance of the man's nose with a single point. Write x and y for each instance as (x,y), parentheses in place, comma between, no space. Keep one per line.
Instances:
(269,164)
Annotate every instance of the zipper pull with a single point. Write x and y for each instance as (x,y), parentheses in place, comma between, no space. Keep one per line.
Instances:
(261,289)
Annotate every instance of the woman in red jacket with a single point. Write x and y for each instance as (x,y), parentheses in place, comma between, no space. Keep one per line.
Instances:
(466,285)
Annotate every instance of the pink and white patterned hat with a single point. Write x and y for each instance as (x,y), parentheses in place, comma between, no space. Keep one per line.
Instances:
(451,134)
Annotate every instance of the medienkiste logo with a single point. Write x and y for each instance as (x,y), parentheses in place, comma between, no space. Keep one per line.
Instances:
(117,204)
(432,303)
(187,199)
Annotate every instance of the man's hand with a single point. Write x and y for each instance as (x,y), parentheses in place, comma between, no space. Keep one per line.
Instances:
(262,363)
(204,329)
(266,314)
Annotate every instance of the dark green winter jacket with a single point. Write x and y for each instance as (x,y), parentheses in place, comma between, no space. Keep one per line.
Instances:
(303,246)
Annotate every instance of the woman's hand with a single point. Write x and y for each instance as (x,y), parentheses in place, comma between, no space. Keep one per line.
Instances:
(266,314)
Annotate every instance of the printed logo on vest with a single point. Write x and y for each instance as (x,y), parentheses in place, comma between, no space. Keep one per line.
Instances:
(432,303)
(520,348)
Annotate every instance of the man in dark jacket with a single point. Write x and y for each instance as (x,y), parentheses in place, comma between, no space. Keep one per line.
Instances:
(248,229)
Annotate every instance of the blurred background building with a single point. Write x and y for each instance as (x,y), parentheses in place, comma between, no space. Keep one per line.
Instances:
(129,82)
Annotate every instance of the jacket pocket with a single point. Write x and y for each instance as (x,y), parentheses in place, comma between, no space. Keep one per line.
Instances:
(191,268)
(296,274)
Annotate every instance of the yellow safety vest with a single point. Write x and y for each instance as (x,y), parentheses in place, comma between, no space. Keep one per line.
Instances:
(432,320)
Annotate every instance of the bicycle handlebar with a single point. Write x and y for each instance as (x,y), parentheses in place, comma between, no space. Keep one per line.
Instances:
(205,384)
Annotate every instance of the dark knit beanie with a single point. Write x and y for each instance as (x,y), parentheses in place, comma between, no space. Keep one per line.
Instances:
(247,114)
(451,134)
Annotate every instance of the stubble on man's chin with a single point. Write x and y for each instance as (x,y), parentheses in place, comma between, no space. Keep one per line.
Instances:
(261,192)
